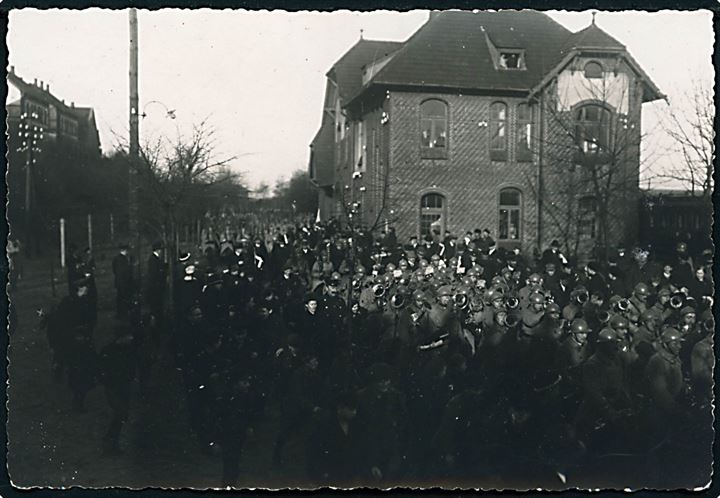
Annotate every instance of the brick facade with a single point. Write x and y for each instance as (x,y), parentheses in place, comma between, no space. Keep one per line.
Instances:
(381,163)
(467,178)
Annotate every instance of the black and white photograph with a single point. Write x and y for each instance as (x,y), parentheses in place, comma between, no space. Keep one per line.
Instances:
(447,249)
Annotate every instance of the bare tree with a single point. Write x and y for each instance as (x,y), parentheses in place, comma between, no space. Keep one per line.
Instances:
(689,125)
(174,176)
(591,159)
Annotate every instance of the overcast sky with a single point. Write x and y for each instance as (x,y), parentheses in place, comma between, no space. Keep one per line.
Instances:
(260,76)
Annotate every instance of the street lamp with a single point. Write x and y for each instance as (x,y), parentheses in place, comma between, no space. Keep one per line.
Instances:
(169,113)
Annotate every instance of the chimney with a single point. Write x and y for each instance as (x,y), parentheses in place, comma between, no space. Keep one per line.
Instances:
(42,84)
(72,104)
(12,69)
(47,87)
(35,82)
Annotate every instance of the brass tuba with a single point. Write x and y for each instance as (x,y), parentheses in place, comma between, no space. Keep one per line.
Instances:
(378,290)
(461,301)
(397,301)
(677,300)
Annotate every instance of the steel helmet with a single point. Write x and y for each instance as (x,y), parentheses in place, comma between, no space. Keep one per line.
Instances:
(462,289)
(607,335)
(536,298)
(444,290)
(614,299)
(642,289)
(687,310)
(497,280)
(535,279)
(618,322)
(502,288)
(419,295)
(579,326)
(670,334)
(553,308)
(390,267)
(650,314)
(493,295)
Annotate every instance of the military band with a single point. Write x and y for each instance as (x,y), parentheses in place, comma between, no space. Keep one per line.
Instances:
(439,358)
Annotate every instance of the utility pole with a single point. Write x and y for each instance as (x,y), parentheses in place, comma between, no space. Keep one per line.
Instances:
(30,134)
(134,222)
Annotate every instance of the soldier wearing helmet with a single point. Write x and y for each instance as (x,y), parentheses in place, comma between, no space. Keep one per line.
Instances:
(531,316)
(555,322)
(534,283)
(662,303)
(648,333)
(621,327)
(637,304)
(574,349)
(606,399)
(579,300)
(663,372)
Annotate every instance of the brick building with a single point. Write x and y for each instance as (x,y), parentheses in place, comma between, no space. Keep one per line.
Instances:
(500,120)
(47,140)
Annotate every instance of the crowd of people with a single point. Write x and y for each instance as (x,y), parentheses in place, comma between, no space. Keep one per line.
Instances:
(433,360)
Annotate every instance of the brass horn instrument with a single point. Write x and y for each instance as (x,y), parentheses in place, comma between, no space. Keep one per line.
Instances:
(582,296)
(378,290)
(397,301)
(677,300)
(512,303)
(461,301)
(357,284)
(623,305)
(512,320)
(603,317)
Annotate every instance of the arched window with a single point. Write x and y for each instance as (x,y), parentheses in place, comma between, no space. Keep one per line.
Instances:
(433,124)
(592,127)
(593,70)
(587,217)
(524,135)
(433,214)
(498,131)
(510,215)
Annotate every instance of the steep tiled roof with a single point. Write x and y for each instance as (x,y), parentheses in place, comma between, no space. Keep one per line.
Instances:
(454,49)
(347,72)
(592,37)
